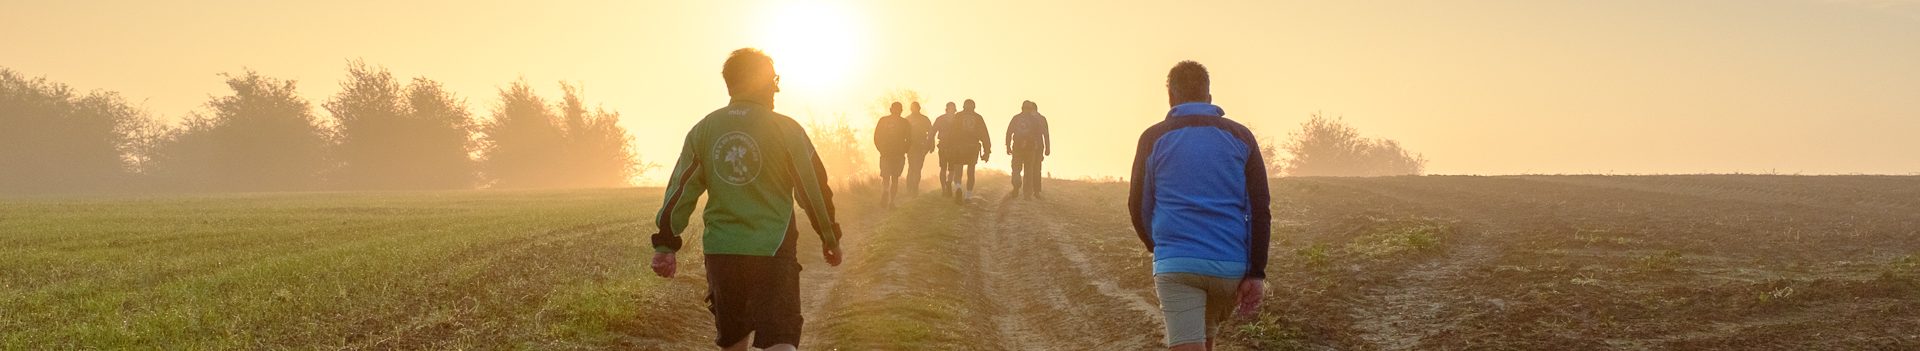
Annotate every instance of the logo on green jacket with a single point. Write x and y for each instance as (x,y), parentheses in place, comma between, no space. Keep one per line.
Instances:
(739,158)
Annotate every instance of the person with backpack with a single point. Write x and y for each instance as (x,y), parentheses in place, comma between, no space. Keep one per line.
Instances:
(962,138)
(1029,142)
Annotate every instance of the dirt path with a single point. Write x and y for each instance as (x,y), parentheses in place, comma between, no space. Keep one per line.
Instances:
(817,284)
(1046,294)
(818,280)
(1022,280)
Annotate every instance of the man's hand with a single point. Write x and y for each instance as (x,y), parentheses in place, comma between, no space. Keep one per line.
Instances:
(986,155)
(664,264)
(832,255)
(1251,290)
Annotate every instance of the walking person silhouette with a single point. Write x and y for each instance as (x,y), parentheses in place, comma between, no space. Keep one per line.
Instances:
(751,163)
(892,137)
(1029,142)
(963,138)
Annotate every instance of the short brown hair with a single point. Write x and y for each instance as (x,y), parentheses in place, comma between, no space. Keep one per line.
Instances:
(1188,82)
(747,68)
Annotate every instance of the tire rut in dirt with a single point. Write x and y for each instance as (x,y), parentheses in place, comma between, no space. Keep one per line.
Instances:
(1046,296)
(817,285)
(819,281)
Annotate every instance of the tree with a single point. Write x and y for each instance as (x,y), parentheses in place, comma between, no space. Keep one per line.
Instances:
(840,149)
(906,98)
(445,142)
(521,145)
(390,139)
(1270,153)
(371,129)
(527,145)
(262,138)
(54,140)
(1329,147)
(598,151)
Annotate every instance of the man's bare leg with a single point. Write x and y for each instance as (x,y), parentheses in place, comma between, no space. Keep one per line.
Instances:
(886,191)
(970,180)
(744,345)
(1195,346)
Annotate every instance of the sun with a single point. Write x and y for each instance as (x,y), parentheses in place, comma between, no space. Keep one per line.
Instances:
(815,45)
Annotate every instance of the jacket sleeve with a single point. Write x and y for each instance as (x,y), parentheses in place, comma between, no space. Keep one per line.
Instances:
(932,132)
(986,137)
(1260,204)
(811,189)
(1046,137)
(1140,191)
(905,137)
(683,193)
(1008,138)
(879,137)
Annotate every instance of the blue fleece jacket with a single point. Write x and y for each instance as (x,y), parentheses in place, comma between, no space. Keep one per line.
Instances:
(1199,195)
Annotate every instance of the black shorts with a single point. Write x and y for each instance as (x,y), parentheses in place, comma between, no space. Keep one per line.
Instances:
(754,294)
(959,156)
(892,165)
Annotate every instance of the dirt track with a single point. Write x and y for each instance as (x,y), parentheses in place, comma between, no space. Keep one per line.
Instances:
(1047,296)
(1409,264)
(1425,263)
(1018,282)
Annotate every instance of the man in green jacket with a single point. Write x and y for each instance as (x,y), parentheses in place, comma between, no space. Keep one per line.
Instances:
(751,162)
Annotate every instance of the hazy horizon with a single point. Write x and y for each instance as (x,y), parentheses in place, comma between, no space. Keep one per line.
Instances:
(1487,87)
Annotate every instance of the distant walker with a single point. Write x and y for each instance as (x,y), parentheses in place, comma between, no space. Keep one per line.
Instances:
(1029,142)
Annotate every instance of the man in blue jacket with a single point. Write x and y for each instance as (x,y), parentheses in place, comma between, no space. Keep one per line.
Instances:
(1199,202)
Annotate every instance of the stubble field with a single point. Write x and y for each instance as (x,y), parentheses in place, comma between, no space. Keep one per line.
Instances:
(1404,263)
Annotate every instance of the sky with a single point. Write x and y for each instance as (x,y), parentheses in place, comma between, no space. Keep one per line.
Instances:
(1478,87)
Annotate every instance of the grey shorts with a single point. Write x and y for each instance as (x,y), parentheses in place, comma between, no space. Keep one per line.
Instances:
(1195,305)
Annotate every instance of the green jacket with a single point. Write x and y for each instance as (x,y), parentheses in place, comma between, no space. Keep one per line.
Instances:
(751,162)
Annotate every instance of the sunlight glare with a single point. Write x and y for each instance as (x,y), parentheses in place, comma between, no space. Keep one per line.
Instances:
(815,45)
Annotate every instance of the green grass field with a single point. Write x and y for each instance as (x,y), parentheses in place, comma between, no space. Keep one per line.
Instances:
(548,269)
(1399,263)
